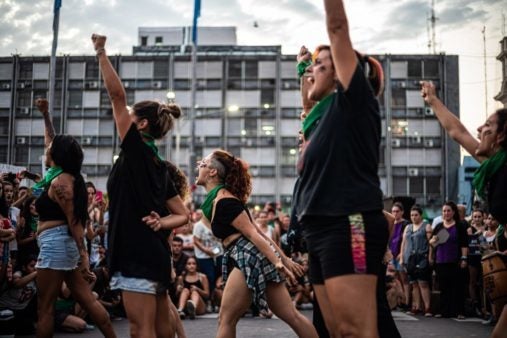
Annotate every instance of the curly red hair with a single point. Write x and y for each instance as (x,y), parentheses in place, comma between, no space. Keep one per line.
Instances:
(234,173)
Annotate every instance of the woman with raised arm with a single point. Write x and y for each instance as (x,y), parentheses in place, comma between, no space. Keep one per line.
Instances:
(339,200)
(62,209)
(252,271)
(490,180)
(144,206)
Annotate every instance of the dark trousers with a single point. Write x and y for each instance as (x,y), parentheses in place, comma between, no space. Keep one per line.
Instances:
(385,322)
(451,284)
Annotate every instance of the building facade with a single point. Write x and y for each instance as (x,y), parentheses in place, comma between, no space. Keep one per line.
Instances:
(502,57)
(247,102)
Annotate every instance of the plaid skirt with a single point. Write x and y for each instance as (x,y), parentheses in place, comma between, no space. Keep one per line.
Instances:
(258,270)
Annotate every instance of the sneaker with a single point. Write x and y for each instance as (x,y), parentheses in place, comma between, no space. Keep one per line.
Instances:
(438,315)
(190,309)
(460,317)
(89,327)
(182,314)
(490,321)
(428,314)
(209,308)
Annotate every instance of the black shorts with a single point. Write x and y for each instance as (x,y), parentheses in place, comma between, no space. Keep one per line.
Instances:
(344,245)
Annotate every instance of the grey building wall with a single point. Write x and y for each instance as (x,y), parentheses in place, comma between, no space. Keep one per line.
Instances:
(261,85)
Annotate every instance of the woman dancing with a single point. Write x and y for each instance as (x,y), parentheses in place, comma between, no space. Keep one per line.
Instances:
(144,206)
(339,200)
(62,209)
(251,268)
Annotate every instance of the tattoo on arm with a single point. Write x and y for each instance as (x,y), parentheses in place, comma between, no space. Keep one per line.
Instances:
(49,128)
(63,192)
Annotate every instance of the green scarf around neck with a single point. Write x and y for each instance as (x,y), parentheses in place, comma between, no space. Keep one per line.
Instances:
(151,143)
(310,122)
(207,205)
(486,170)
(51,173)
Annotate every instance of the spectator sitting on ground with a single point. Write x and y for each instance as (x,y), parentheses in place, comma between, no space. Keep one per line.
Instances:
(18,296)
(179,257)
(193,290)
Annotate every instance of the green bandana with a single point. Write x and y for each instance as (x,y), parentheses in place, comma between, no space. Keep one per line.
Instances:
(151,143)
(207,205)
(487,169)
(50,175)
(301,67)
(33,223)
(310,122)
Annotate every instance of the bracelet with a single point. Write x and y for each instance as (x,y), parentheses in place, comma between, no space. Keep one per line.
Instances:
(100,51)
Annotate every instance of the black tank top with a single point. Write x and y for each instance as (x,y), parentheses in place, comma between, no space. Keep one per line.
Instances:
(197,283)
(48,209)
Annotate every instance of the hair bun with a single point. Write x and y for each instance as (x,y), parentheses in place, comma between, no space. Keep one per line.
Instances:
(172,109)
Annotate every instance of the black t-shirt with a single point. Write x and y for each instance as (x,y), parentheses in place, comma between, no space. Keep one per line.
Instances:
(339,162)
(138,184)
(226,211)
(180,263)
(497,195)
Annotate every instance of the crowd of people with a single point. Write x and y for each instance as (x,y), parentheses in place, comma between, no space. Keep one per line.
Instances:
(75,258)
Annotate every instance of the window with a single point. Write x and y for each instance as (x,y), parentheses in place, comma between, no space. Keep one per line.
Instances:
(144,40)
(235,69)
(251,69)
(40,84)
(430,68)
(267,96)
(4,126)
(251,127)
(24,99)
(92,69)
(160,69)
(399,127)
(433,185)
(400,186)
(3,154)
(416,185)
(399,98)
(21,156)
(158,40)
(75,99)
(414,68)
(183,84)
(25,70)
(289,156)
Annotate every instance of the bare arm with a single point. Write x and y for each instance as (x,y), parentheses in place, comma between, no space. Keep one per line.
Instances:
(200,246)
(19,282)
(449,121)
(250,231)
(114,87)
(179,216)
(403,244)
(344,56)
(49,129)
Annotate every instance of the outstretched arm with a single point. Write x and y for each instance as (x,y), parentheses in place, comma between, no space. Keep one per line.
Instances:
(344,56)
(114,87)
(49,129)
(449,121)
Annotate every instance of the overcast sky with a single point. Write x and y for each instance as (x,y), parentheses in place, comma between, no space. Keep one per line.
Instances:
(377,26)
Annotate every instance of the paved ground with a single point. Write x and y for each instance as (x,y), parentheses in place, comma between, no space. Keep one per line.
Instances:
(409,326)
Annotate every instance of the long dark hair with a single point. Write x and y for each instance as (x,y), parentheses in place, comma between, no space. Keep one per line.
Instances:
(233,172)
(454,208)
(179,179)
(27,215)
(67,153)
(502,125)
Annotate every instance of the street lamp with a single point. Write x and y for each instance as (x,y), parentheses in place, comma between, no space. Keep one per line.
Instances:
(171,96)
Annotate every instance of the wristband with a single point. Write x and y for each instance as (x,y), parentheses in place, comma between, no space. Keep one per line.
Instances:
(301,67)
(464,258)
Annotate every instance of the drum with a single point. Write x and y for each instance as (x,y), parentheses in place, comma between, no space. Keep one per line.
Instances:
(494,267)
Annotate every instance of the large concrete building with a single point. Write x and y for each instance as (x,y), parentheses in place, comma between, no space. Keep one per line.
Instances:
(502,57)
(247,102)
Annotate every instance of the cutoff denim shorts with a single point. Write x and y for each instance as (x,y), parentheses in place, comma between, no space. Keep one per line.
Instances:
(132,284)
(58,250)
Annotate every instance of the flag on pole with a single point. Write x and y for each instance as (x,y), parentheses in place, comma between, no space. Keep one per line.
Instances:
(197,14)
(58,4)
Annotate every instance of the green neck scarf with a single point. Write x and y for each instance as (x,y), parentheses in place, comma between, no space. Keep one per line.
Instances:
(207,205)
(51,173)
(151,143)
(301,67)
(33,223)
(487,169)
(310,122)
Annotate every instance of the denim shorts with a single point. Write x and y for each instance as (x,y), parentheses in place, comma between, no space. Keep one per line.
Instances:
(133,284)
(58,250)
